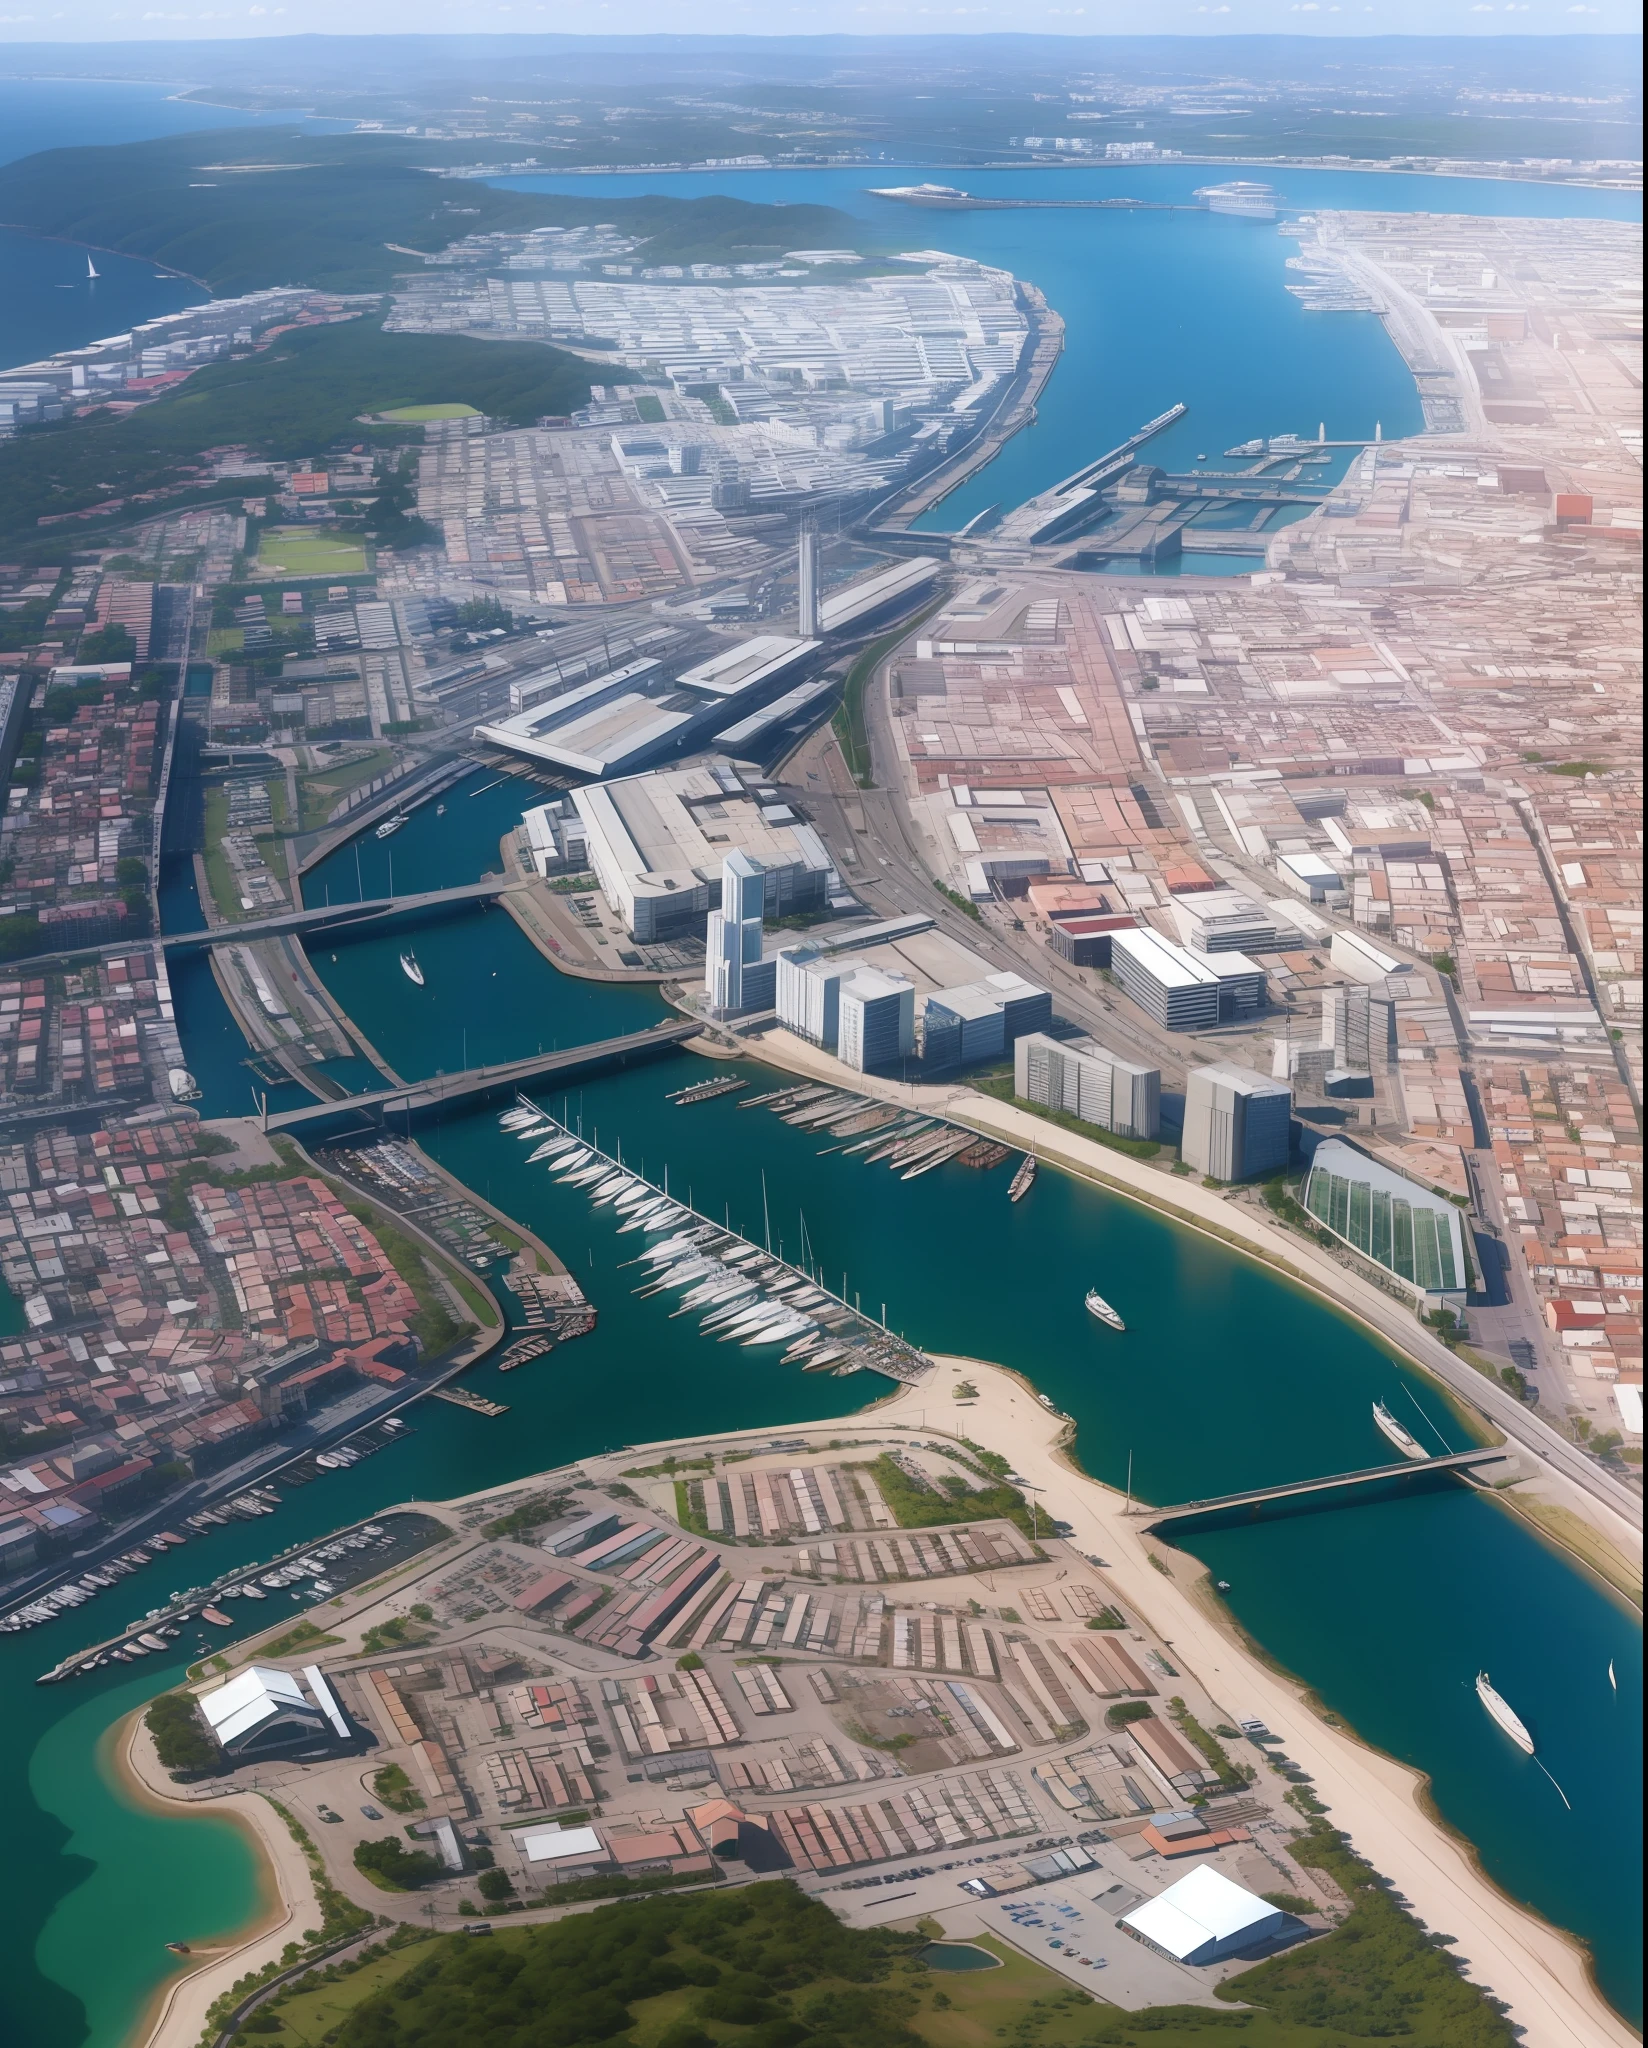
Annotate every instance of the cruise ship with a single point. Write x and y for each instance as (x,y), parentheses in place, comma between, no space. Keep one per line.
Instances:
(1243,197)
(1098,1306)
(392,824)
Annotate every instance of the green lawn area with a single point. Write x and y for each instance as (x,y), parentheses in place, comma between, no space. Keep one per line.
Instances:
(321,788)
(308,2017)
(220,876)
(309,551)
(225,640)
(416,414)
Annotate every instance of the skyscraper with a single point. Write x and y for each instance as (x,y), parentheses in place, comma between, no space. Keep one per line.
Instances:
(807,585)
(1237,1124)
(733,942)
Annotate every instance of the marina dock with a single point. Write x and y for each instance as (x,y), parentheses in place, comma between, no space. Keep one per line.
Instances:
(742,1292)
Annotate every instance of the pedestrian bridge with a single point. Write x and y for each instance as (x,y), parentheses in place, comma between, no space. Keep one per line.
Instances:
(334,916)
(1296,1489)
(399,1108)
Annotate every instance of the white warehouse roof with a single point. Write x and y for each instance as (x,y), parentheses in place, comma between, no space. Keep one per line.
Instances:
(1203,1916)
(561,1845)
(843,608)
(245,1703)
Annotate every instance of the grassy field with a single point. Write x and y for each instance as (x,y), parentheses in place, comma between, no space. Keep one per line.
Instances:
(319,791)
(304,551)
(308,2017)
(417,414)
(220,877)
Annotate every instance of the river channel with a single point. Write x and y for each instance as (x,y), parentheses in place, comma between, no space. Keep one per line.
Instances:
(1226,1376)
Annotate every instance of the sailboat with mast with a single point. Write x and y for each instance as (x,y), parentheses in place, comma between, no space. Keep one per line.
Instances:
(92,272)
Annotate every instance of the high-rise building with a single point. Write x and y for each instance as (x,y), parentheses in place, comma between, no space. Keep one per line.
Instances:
(809,993)
(1236,1123)
(733,943)
(877,1019)
(807,585)
(1087,1080)
(1358,1026)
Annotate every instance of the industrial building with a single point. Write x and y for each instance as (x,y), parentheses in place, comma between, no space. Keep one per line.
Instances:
(657,843)
(1204,1918)
(263,1711)
(1236,1123)
(1226,921)
(1088,1081)
(635,713)
(980,1020)
(859,605)
(877,1026)
(1084,940)
(1183,990)
(1307,874)
(1412,1233)
(1362,960)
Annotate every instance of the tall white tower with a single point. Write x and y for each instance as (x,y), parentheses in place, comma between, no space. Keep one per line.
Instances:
(733,941)
(807,585)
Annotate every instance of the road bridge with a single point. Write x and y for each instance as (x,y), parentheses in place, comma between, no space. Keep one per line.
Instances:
(1258,1496)
(398,1108)
(332,916)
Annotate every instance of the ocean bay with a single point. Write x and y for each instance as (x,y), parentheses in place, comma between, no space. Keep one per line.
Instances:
(1228,1376)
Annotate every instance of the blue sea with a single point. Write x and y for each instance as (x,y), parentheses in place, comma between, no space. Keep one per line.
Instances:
(47,302)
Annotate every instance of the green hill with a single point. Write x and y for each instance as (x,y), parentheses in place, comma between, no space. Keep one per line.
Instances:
(297,398)
(241,209)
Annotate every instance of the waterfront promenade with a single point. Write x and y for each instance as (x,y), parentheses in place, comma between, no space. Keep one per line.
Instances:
(1566,1479)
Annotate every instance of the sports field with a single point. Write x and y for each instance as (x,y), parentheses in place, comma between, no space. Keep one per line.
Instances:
(302,551)
(417,414)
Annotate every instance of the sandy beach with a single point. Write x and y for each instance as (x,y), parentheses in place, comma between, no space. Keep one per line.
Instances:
(1540,1973)
(177,2013)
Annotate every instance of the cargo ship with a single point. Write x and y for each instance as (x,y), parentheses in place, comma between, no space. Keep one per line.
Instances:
(1024,1179)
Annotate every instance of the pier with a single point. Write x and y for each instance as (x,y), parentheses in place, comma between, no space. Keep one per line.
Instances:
(381,1108)
(1259,1496)
(332,916)
(1054,513)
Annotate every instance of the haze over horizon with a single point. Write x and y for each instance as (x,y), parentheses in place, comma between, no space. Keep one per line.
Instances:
(99,22)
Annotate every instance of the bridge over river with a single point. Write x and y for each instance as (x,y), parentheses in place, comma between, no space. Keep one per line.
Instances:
(332,916)
(400,1107)
(1296,1489)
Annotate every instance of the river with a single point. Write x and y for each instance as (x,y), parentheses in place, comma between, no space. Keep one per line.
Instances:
(1226,1377)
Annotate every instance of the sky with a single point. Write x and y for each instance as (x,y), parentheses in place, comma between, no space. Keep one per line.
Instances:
(93,21)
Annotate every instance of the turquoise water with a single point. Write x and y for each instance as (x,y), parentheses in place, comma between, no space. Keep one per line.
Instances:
(1159,307)
(1225,1378)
